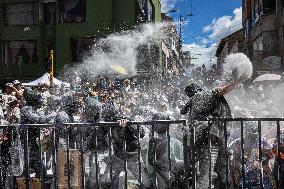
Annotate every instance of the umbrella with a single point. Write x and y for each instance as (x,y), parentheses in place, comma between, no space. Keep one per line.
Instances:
(268,77)
(118,69)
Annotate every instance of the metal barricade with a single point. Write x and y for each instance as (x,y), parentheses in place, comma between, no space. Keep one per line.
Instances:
(190,164)
(242,124)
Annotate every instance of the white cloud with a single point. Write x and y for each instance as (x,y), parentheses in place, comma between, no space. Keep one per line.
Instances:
(217,29)
(224,25)
(202,54)
(205,41)
(167,5)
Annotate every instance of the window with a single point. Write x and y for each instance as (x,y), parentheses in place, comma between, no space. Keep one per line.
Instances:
(21,14)
(80,47)
(150,14)
(256,11)
(252,14)
(72,11)
(49,13)
(268,7)
(20,52)
(244,4)
(139,10)
(270,41)
(246,28)
(257,44)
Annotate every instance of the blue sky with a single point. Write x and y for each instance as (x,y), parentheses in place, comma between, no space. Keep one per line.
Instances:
(211,21)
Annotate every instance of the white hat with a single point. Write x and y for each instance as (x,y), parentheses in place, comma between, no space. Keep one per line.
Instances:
(16,82)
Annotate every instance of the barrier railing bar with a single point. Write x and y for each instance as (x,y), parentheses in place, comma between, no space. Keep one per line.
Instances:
(1,170)
(260,154)
(169,155)
(110,156)
(55,157)
(139,157)
(279,156)
(82,159)
(68,156)
(26,157)
(154,155)
(114,124)
(185,156)
(193,158)
(41,164)
(96,158)
(209,154)
(182,121)
(243,155)
(124,159)
(226,154)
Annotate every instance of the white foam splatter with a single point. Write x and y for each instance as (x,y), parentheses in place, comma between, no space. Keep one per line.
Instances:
(238,65)
(120,49)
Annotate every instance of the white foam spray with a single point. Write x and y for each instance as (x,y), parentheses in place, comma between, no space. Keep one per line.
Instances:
(119,49)
(236,66)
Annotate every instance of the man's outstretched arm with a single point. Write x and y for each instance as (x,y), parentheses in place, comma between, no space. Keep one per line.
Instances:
(185,109)
(229,87)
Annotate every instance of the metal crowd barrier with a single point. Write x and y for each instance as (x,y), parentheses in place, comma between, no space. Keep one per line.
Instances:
(188,166)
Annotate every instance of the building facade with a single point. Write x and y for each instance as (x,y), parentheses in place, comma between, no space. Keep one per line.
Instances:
(263,34)
(228,45)
(171,62)
(29,29)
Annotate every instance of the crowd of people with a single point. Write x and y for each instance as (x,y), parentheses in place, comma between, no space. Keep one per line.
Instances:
(111,99)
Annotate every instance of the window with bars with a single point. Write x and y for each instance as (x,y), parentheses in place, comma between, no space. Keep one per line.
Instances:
(81,47)
(268,7)
(72,11)
(21,14)
(150,11)
(20,52)
(49,13)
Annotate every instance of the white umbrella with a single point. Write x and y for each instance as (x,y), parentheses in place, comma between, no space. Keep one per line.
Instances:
(268,77)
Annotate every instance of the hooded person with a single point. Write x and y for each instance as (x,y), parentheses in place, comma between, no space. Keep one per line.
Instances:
(130,134)
(92,114)
(252,165)
(278,169)
(69,105)
(34,113)
(202,105)
(158,150)
(13,114)
(12,117)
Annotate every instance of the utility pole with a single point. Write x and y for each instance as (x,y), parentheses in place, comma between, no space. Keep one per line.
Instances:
(181,18)
(52,68)
(180,33)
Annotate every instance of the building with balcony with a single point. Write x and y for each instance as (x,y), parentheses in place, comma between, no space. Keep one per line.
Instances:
(263,34)
(29,29)
(233,43)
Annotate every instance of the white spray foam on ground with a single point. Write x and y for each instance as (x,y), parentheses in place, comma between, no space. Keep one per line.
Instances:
(237,65)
